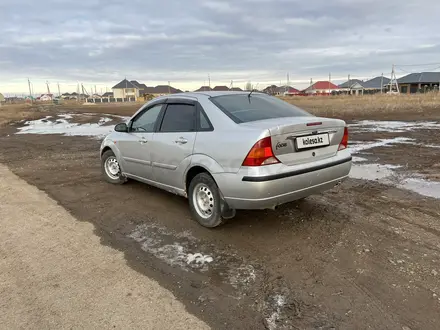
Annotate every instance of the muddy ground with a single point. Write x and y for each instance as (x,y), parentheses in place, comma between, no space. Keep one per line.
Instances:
(362,255)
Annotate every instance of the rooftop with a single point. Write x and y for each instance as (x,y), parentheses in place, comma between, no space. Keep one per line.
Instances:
(421,77)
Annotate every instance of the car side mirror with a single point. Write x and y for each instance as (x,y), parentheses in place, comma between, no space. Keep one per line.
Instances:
(121,127)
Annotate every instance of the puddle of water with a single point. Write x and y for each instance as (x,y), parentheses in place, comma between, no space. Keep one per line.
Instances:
(392,126)
(49,125)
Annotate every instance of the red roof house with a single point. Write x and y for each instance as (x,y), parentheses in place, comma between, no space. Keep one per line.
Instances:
(321,87)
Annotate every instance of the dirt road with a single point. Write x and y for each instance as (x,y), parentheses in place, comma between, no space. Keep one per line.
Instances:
(363,255)
(55,274)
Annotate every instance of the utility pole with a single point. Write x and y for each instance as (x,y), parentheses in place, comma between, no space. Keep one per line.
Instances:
(48,89)
(329,82)
(394,80)
(95,89)
(59,93)
(381,83)
(30,90)
(349,85)
(209,81)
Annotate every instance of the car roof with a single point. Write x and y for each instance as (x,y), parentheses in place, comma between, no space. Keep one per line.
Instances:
(195,95)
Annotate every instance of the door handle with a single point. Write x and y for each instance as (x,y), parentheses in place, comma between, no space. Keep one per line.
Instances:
(181,140)
(143,140)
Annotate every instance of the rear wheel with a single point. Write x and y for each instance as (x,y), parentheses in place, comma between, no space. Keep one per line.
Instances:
(204,200)
(110,168)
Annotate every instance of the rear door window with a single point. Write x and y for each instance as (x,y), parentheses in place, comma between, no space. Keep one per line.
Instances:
(243,108)
(179,118)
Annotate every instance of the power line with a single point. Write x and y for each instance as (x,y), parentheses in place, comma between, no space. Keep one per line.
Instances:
(423,64)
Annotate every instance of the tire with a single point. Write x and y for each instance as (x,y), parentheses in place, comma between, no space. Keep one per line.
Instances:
(115,178)
(205,201)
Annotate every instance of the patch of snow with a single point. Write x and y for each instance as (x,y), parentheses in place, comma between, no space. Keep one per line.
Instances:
(280,301)
(62,126)
(392,126)
(175,254)
(372,171)
(422,187)
(356,148)
(104,120)
(356,159)
(198,258)
(385,174)
(242,276)
(430,145)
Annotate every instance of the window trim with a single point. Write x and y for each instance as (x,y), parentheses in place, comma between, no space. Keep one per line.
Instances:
(140,113)
(176,102)
(201,111)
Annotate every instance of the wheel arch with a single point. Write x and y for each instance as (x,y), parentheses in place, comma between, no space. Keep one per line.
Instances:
(201,163)
(191,174)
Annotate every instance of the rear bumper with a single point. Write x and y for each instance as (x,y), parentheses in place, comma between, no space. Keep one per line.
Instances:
(243,190)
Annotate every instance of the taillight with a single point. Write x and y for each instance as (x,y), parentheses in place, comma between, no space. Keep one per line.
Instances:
(344,143)
(261,154)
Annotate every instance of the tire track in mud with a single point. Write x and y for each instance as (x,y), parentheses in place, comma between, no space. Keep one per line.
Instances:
(248,282)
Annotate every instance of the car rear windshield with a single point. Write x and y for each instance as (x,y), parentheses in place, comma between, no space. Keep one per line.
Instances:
(243,108)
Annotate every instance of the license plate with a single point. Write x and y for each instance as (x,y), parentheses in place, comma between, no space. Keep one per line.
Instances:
(312,141)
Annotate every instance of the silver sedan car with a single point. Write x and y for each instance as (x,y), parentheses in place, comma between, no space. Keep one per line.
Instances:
(228,150)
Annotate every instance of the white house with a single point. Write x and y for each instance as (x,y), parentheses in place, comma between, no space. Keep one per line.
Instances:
(46,97)
(125,89)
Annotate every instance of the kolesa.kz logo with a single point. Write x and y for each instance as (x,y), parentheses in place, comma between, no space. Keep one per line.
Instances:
(315,140)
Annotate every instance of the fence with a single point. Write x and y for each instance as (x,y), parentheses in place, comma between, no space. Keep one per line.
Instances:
(110,100)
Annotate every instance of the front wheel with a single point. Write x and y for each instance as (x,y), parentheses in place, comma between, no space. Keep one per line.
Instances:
(110,168)
(204,201)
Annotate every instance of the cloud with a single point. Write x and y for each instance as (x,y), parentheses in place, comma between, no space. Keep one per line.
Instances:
(101,42)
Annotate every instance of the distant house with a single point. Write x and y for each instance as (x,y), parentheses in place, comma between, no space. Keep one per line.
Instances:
(286,91)
(271,90)
(352,86)
(45,97)
(220,88)
(65,96)
(107,94)
(419,82)
(236,89)
(160,90)
(126,89)
(321,88)
(376,84)
(204,89)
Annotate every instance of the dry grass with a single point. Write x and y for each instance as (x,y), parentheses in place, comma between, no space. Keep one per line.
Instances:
(17,112)
(371,106)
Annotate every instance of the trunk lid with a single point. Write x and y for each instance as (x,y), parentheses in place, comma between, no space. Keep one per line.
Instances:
(297,140)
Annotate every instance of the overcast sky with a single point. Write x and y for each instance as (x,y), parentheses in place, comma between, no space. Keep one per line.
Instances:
(101,42)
